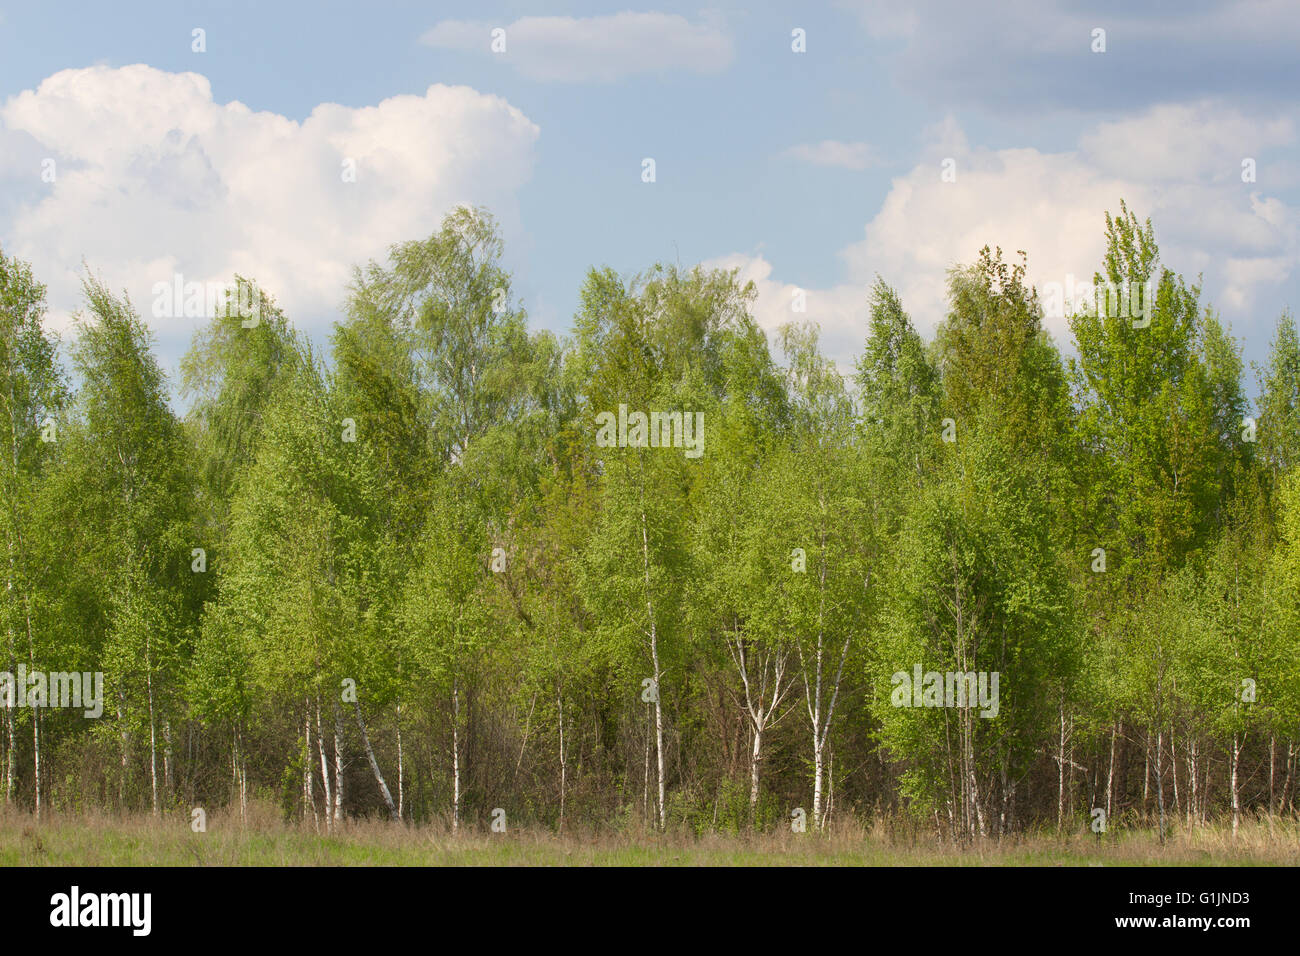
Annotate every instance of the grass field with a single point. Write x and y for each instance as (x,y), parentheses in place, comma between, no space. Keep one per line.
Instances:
(260,840)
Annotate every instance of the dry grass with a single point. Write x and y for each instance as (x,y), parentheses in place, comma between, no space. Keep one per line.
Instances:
(261,839)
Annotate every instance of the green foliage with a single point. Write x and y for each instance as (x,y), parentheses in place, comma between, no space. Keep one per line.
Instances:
(583,633)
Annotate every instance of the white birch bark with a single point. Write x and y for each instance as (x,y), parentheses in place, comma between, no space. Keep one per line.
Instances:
(1234,784)
(820,723)
(308,783)
(654,656)
(401,768)
(324,771)
(761,702)
(374,765)
(338,764)
(455,756)
(559,704)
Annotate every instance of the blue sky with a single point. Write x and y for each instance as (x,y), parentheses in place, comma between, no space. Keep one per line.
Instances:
(808,171)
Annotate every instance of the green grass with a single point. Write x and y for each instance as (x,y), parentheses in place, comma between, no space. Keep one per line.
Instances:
(102,840)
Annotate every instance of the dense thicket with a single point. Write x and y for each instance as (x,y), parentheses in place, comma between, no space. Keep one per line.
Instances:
(416,578)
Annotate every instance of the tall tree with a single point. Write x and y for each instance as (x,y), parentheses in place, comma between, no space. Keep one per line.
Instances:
(32,396)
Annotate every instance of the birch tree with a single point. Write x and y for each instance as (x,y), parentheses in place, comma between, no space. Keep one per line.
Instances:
(32,397)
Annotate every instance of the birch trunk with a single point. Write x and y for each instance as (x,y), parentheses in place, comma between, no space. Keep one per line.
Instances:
(1160,785)
(374,765)
(125,740)
(1236,792)
(813,690)
(234,763)
(338,764)
(153,732)
(167,760)
(1173,770)
(455,756)
(645,775)
(401,768)
(36,715)
(324,771)
(559,703)
(1060,773)
(9,752)
(9,712)
(308,782)
(36,756)
(9,589)
(1146,775)
(760,706)
(1110,772)
(817,785)
(1290,767)
(654,654)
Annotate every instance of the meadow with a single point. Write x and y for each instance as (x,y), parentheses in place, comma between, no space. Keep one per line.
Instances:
(101,839)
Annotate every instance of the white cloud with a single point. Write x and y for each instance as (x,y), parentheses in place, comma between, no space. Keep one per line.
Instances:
(1178,165)
(594,49)
(1185,142)
(840,312)
(154,178)
(1052,205)
(830,152)
(1049,204)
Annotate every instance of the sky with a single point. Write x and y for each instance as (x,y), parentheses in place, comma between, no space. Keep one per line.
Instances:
(805,145)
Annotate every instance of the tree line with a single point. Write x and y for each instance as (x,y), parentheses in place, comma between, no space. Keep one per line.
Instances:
(403,577)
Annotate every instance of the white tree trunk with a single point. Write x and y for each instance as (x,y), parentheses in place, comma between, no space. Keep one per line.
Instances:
(817,782)
(36,756)
(374,765)
(1173,769)
(813,690)
(9,753)
(1236,792)
(308,783)
(760,707)
(125,741)
(1060,774)
(654,657)
(153,735)
(167,760)
(455,757)
(559,704)
(1160,781)
(338,764)
(1110,772)
(324,772)
(401,768)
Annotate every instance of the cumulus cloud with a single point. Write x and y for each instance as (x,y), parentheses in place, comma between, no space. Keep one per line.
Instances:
(1178,165)
(1186,142)
(839,312)
(155,178)
(1052,205)
(833,153)
(594,49)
